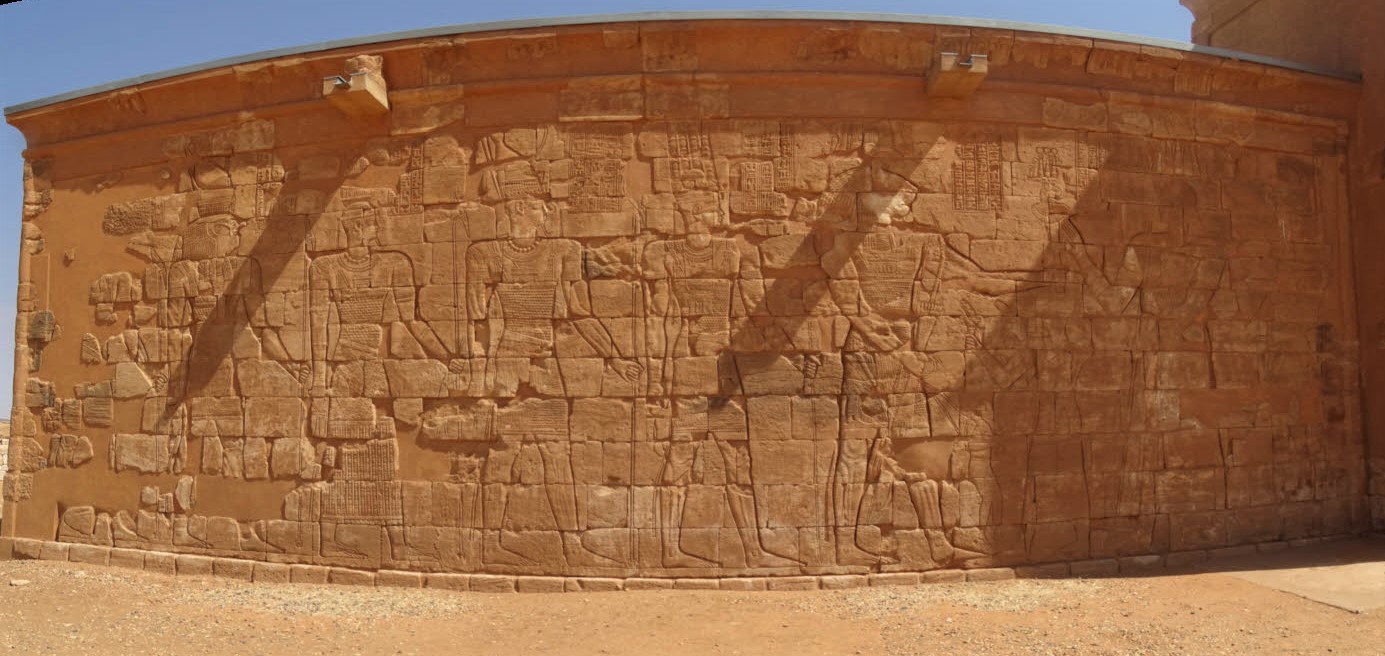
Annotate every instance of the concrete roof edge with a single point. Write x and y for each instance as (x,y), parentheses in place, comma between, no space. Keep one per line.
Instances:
(527,23)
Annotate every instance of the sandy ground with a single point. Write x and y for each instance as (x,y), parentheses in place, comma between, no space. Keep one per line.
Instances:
(67,608)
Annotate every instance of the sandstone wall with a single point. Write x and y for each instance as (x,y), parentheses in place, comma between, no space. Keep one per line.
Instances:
(4,462)
(692,299)
(1323,33)
(1338,35)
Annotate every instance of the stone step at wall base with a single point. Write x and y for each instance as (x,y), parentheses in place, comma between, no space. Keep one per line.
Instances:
(189,565)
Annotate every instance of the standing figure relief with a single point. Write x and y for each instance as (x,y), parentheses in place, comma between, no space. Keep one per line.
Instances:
(884,281)
(696,285)
(357,298)
(518,290)
(518,287)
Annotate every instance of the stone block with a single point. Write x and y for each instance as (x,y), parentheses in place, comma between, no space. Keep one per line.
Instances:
(894,578)
(387,578)
(539,584)
(842,581)
(594,584)
(91,554)
(344,576)
(27,549)
(233,568)
(1048,571)
(315,574)
(944,576)
(492,583)
(1095,568)
(789,583)
(1146,564)
(743,584)
(162,563)
(648,584)
(1272,547)
(1183,560)
(990,574)
(695,584)
(191,565)
(454,582)
(128,558)
(271,573)
(274,417)
(1239,551)
(53,551)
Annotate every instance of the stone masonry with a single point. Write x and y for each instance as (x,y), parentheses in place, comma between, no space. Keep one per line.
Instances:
(692,300)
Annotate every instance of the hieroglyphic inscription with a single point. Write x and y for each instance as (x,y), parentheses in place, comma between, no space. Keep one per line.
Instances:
(976,177)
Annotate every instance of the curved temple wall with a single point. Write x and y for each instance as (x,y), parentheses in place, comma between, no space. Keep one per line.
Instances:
(691,299)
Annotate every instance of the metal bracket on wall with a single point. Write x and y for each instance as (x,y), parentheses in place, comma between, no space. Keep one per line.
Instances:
(951,77)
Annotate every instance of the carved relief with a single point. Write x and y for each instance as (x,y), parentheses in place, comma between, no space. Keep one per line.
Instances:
(976,177)
(689,345)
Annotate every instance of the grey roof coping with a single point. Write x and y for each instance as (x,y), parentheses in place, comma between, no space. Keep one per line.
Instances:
(495,26)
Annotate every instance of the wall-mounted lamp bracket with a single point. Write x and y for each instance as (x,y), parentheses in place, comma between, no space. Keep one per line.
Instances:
(951,77)
(359,93)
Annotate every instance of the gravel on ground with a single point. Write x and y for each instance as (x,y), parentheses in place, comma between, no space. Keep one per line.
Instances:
(67,608)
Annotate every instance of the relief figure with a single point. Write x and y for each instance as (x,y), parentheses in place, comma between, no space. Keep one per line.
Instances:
(518,289)
(883,279)
(695,286)
(355,297)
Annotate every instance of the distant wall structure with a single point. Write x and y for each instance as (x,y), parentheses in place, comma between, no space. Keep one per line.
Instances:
(1323,33)
(4,463)
(668,297)
(1341,34)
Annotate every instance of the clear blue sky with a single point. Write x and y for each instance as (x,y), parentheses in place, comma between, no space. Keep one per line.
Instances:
(53,46)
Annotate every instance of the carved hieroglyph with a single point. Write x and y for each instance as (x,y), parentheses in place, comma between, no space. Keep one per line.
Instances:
(697,347)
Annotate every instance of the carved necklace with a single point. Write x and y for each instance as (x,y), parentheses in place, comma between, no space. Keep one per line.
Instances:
(693,252)
(357,264)
(513,250)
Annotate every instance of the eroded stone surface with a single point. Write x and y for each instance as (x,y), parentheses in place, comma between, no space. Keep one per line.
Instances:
(659,327)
